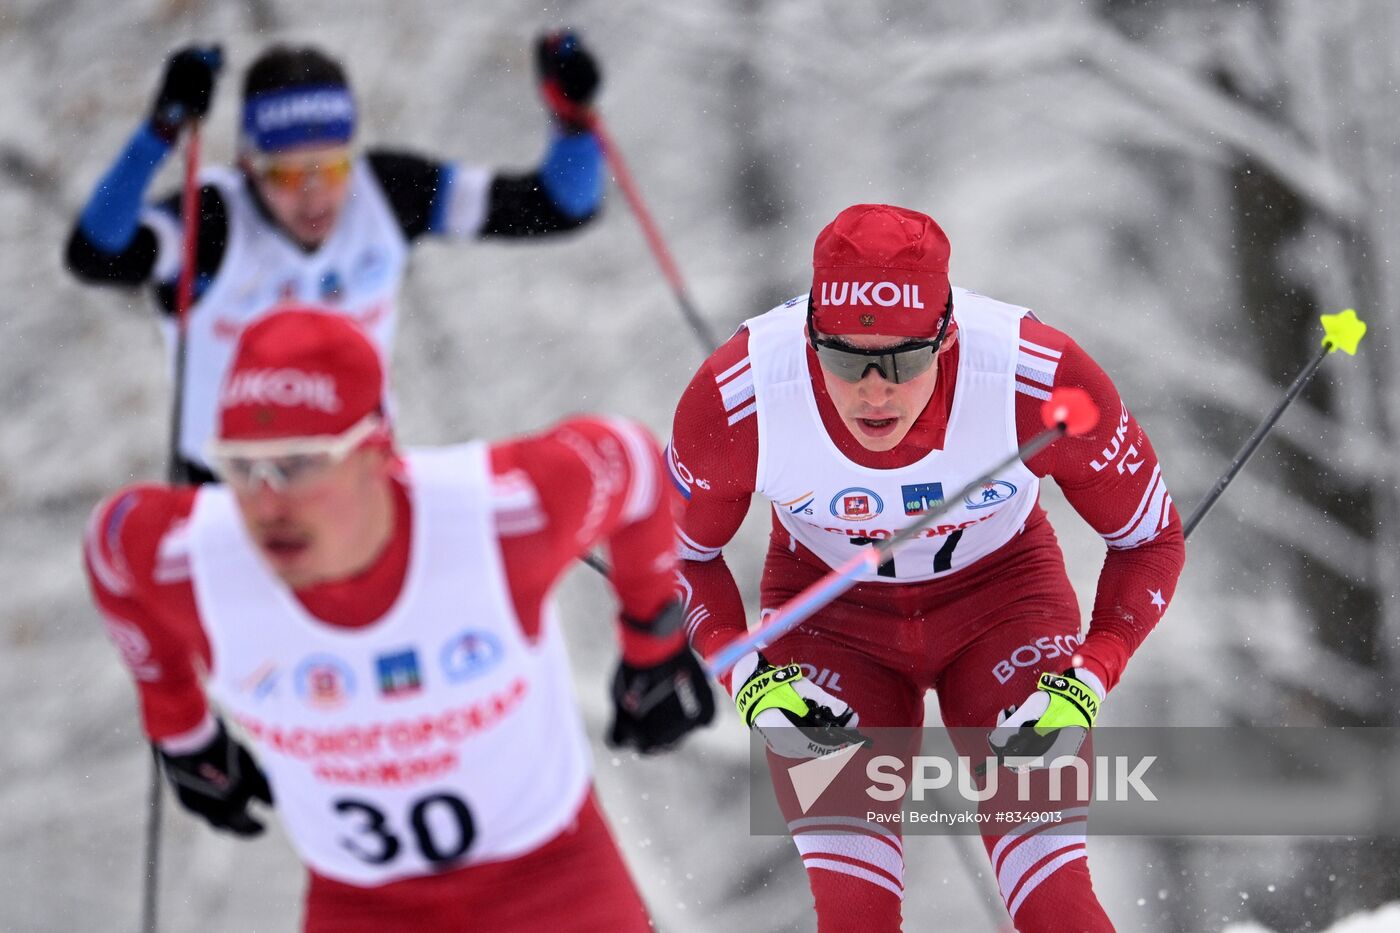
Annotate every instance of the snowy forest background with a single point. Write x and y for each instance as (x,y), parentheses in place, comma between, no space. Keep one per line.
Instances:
(1182,186)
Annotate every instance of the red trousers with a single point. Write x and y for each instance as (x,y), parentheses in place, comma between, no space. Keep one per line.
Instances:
(575,883)
(980,639)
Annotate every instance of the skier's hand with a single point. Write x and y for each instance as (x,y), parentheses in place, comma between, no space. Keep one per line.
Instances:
(569,77)
(186,89)
(796,718)
(654,706)
(218,782)
(1051,723)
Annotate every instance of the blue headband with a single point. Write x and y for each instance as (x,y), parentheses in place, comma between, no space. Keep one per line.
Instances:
(296,116)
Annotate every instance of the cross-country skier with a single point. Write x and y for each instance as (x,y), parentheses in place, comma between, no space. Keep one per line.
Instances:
(305,215)
(855,410)
(380,628)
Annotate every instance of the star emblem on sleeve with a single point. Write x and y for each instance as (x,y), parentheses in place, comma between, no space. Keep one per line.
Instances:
(1158,601)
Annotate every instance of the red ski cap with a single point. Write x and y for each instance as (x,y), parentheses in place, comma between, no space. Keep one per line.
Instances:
(880,269)
(300,372)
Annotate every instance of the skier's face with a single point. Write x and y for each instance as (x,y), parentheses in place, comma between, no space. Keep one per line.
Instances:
(329,529)
(877,412)
(304,189)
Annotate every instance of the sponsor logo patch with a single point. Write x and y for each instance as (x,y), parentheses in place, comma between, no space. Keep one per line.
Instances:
(990,494)
(331,288)
(262,682)
(920,498)
(799,504)
(470,654)
(324,681)
(286,387)
(870,294)
(856,504)
(398,673)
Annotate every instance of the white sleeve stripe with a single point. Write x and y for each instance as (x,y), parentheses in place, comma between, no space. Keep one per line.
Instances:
(1032,391)
(1142,506)
(194,739)
(687,553)
(112,579)
(694,545)
(1148,514)
(1042,376)
(722,377)
(519,524)
(743,413)
(1153,521)
(513,492)
(736,393)
(468,197)
(675,472)
(1037,361)
(175,543)
(172,571)
(1045,872)
(864,874)
(1037,348)
(169,243)
(642,491)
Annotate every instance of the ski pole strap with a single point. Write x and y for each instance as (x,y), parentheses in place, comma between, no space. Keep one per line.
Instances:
(1071,704)
(770,689)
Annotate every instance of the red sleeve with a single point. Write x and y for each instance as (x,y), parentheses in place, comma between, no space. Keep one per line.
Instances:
(1113,480)
(138,571)
(588,480)
(713,461)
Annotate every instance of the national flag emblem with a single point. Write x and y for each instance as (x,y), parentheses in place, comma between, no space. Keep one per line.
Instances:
(398,673)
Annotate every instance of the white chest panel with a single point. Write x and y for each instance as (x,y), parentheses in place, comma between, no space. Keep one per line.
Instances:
(827,502)
(357,270)
(436,735)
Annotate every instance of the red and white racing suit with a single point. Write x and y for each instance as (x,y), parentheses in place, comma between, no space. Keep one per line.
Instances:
(433,682)
(976,609)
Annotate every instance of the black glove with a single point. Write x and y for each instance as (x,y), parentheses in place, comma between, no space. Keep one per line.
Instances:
(654,706)
(569,76)
(186,89)
(218,782)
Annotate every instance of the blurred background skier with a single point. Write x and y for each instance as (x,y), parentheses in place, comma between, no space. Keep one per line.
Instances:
(305,216)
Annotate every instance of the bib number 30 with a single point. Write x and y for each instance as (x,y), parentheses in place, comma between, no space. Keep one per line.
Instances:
(440,826)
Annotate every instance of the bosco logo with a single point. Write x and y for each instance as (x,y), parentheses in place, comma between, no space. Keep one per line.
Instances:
(856,504)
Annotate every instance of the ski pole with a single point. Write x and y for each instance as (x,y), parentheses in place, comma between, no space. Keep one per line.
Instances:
(669,269)
(1067,411)
(177,473)
(1343,332)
